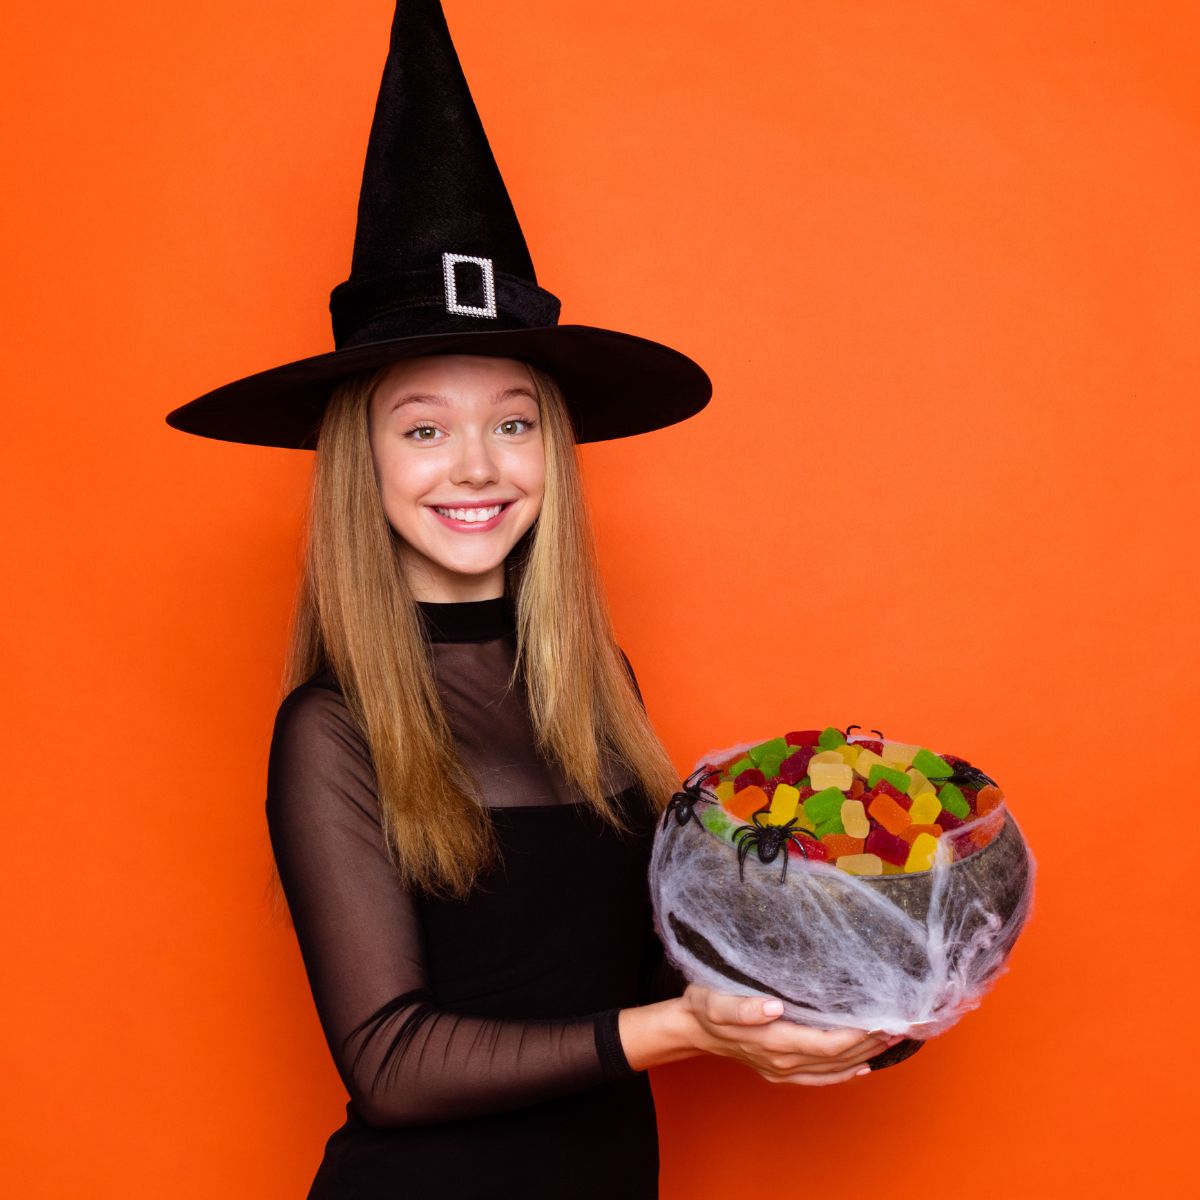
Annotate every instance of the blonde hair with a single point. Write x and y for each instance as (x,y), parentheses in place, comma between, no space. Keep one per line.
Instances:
(356,613)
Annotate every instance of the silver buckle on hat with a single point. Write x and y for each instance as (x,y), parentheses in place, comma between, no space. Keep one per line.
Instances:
(488,308)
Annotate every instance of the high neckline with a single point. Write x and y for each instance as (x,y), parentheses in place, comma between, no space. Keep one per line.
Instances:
(467,620)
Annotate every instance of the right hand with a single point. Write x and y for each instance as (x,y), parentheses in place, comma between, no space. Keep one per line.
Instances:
(741,1028)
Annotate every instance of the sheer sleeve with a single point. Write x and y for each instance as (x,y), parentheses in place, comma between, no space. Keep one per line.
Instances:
(403,1061)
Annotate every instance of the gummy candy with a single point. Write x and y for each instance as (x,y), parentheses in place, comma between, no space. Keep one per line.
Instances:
(954,801)
(889,847)
(784,800)
(925,808)
(830,737)
(724,790)
(917,783)
(840,844)
(751,776)
(989,798)
(889,814)
(854,818)
(824,804)
(897,754)
(747,802)
(804,737)
(742,764)
(795,766)
(866,760)
(930,765)
(830,775)
(861,864)
(922,853)
(814,851)
(774,748)
(898,779)
(909,835)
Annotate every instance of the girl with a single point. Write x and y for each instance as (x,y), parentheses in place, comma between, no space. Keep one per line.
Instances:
(463,784)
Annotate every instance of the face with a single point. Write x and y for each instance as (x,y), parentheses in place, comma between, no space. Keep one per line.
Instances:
(457,446)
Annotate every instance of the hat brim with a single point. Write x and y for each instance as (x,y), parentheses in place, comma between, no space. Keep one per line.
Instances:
(615,384)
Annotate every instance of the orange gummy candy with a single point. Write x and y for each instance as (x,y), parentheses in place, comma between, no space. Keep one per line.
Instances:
(989,798)
(889,814)
(909,833)
(843,843)
(746,802)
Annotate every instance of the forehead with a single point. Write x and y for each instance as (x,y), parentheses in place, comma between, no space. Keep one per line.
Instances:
(454,376)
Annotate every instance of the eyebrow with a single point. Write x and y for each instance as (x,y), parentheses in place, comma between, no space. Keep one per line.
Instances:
(443,401)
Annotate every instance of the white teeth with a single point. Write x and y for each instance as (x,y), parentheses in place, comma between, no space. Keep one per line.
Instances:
(470,515)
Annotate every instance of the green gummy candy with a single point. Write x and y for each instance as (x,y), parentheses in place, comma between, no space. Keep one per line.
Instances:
(831,825)
(770,767)
(831,738)
(898,779)
(742,764)
(716,820)
(953,801)
(823,805)
(776,748)
(930,765)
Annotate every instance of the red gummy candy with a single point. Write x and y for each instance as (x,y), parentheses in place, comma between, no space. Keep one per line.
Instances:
(805,737)
(890,848)
(814,849)
(769,788)
(883,788)
(947,820)
(747,777)
(795,766)
(857,787)
(870,744)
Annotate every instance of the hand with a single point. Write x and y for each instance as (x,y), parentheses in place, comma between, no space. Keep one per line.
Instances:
(748,1029)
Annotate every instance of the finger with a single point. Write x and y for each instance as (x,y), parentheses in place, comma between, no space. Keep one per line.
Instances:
(813,1079)
(722,1008)
(799,1062)
(824,1043)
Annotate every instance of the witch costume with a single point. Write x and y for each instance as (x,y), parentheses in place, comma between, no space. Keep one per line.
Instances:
(478,1040)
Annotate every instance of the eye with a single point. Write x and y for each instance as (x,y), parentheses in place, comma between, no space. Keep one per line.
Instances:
(421,429)
(517,421)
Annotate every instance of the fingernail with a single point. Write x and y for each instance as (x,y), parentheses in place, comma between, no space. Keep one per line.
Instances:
(772,1008)
(863,1071)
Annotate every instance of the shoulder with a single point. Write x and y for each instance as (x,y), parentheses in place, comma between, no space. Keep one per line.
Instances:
(314,727)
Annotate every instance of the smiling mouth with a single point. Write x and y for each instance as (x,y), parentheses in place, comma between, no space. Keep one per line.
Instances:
(472,514)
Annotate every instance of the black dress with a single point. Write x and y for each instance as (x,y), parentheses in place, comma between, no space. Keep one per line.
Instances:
(478,1039)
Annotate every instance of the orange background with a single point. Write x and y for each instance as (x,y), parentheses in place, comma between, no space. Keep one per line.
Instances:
(941,261)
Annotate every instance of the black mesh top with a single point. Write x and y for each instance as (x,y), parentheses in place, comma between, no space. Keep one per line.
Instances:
(477,1039)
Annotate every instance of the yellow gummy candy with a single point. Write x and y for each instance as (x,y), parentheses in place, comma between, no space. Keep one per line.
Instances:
(854,819)
(918,784)
(923,852)
(783,804)
(899,754)
(724,791)
(826,774)
(826,756)
(892,869)
(925,809)
(865,761)
(861,864)
(849,752)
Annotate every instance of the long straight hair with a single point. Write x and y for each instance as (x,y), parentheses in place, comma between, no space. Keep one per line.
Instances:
(356,614)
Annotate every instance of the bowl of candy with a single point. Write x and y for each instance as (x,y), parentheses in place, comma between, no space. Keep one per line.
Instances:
(864,882)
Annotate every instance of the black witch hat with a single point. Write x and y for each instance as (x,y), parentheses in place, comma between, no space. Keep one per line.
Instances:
(440,266)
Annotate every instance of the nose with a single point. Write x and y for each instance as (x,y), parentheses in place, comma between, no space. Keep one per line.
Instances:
(475,463)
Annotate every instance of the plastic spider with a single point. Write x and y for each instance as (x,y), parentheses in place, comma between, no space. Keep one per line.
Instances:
(851,728)
(965,775)
(683,804)
(768,840)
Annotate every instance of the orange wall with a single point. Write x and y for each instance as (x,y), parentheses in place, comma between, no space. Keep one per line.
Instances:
(941,261)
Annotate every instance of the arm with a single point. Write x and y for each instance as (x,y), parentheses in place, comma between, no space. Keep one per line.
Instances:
(402,1060)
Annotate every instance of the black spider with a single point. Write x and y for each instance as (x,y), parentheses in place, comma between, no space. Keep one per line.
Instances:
(768,840)
(965,775)
(683,804)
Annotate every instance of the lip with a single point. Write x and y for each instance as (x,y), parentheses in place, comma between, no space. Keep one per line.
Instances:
(472,526)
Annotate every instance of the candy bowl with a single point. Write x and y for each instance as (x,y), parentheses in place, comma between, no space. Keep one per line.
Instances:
(844,907)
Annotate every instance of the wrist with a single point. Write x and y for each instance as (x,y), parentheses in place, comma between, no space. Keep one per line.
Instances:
(653,1034)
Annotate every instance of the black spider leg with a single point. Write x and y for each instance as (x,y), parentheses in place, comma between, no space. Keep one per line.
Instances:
(692,794)
(851,728)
